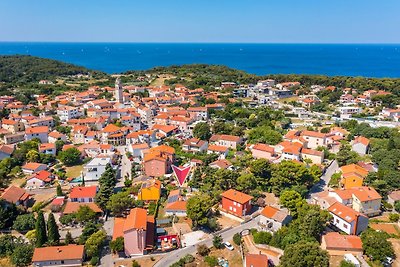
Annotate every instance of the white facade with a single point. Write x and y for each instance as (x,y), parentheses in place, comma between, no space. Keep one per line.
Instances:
(95,168)
(66,113)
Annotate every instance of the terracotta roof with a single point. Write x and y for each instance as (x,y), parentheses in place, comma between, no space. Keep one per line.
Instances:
(137,219)
(177,205)
(231,138)
(56,134)
(110,128)
(83,192)
(264,147)
(312,152)
(13,194)
(221,163)
(354,168)
(44,175)
(164,128)
(313,134)
(6,149)
(46,146)
(256,260)
(334,240)
(39,129)
(72,207)
(365,193)
(395,195)
(118,227)
(33,166)
(57,253)
(236,196)
(269,211)
(163,148)
(361,139)
(217,148)
(344,212)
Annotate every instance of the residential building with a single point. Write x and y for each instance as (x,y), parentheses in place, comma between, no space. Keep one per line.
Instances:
(272,219)
(262,151)
(348,220)
(40,132)
(12,126)
(225,140)
(338,244)
(69,256)
(360,145)
(255,260)
(95,168)
(55,136)
(393,197)
(221,151)
(48,148)
(6,151)
(83,194)
(16,195)
(32,167)
(236,203)
(150,190)
(195,145)
(316,157)
(352,176)
(39,179)
(221,164)
(176,204)
(73,207)
(314,139)
(65,113)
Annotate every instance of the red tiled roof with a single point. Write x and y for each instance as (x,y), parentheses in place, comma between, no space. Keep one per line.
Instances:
(58,253)
(344,212)
(256,260)
(72,207)
(269,211)
(137,219)
(39,129)
(334,240)
(236,196)
(13,194)
(83,192)
(361,139)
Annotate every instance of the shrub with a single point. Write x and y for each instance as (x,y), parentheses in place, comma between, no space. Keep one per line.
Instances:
(237,239)
(94,261)
(262,237)
(188,258)
(394,217)
(135,264)
(203,250)
(211,261)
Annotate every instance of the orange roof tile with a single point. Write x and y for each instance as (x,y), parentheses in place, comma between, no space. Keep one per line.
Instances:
(83,192)
(344,212)
(334,240)
(269,211)
(237,196)
(58,253)
(137,219)
(72,207)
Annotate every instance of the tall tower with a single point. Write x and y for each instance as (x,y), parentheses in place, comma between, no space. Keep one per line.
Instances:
(119,97)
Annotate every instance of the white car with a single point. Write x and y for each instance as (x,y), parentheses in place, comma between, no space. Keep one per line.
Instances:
(228,245)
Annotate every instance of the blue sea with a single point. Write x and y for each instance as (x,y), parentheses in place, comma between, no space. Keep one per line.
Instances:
(328,59)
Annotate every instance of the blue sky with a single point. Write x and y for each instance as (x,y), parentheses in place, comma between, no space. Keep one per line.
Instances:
(263,21)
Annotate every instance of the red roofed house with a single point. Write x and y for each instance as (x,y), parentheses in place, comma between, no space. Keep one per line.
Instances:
(48,148)
(348,220)
(16,195)
(316,157)
(70,255)
(262,151)
(40,178)
(314,139)
(6,151)
(194,145)
(229,141)
(137,229)
(255,260)
(40,132)
(272,219)
(221,151)
(236,203)
(337,244)
(32,167)
(176,204)
(360,145)
(83,194)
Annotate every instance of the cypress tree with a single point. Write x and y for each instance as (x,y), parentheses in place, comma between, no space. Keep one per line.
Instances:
(59,191)
(68,238)
(52,229)
(107,182)
(40,227)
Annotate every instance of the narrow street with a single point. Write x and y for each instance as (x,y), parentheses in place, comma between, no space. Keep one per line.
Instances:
(125,167)
(324,181)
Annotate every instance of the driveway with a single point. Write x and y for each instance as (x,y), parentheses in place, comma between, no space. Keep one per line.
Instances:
(175,255)
(324,181)
(106,256)
(125,167)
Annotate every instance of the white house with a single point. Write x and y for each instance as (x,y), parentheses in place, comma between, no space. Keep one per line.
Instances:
(65,113)
(83,194)
(348,220)
(272,219)
(95,168)
(41,132)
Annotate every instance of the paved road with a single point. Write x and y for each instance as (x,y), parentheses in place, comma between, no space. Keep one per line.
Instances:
(126,164)
(107,259)
(175,255)
(324,181)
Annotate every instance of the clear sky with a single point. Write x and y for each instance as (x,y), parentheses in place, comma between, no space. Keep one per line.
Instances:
(265,21)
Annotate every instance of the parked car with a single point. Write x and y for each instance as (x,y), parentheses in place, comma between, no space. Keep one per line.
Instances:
(228,245)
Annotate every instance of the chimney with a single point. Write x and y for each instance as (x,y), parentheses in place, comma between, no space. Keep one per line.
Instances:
(356,224)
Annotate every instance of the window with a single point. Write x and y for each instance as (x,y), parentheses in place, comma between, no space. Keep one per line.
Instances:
(345,226)
(337,220)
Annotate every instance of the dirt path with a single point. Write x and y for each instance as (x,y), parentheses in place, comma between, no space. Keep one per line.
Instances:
(273,255)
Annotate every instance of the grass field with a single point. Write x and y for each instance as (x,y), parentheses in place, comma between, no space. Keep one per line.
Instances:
(74,171)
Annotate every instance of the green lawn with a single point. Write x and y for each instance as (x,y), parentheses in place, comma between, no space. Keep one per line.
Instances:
(74,171)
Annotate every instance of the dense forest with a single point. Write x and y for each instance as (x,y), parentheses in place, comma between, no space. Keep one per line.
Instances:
(20,69)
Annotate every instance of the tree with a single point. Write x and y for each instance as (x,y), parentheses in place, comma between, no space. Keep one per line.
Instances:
(265,135)
(24,222)
(397,206)
(70,156)
(107,182)
(211,261)
(376,245)
(135,263)
(246,182)
(67,219)
(52,229)
(117,245)
(120,202)
(8,243)
(40,227)
(32,156)
(203,250)
(291,200)
(89,229)
(304,254)
(346,156)
(85,214)
(22,255)
(345,263)
(68,238)
(197,209)
(202,131)
(217,242)
(237,239)
(8,213)
(94,243)
(59,191)
(262,237)
(31,236)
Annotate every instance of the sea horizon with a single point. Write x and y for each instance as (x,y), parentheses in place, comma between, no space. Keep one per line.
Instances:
(332,59)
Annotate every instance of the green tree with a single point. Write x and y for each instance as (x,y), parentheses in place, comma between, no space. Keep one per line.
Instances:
(70,156)
(117,245)
(8,243)
(31,236)
(135,263)
(345,263)
(211,261)
(52,229)
(202,131)
(24,222)
(94,243)
(346,156)
(304,254)
(246,182)
(89,229)
(59,191)
(198,208)
(291,200)
(85,214)
(32,156)
(262,237)
(68,238)
(22,255)
(397,206)
(217,242)
(107,182)
(40,227)
(376,245)
(120,202)
(237,239)
(264,134)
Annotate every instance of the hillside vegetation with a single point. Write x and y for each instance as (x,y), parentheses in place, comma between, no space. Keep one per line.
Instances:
(21,69)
